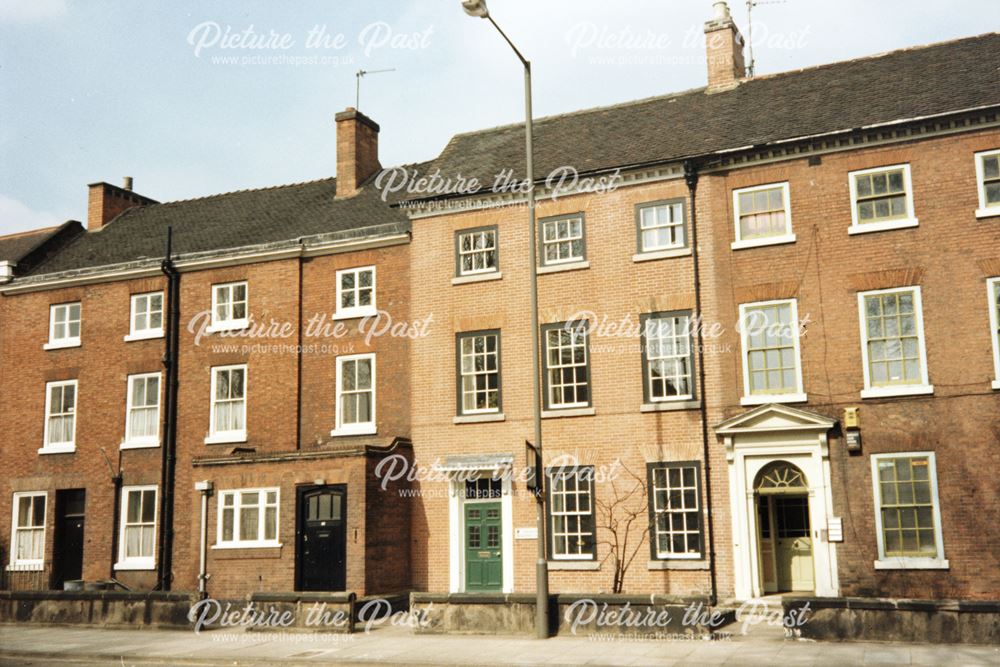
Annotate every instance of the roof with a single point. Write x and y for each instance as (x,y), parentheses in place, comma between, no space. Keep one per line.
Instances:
(224,221)
(906,84)
(26,248)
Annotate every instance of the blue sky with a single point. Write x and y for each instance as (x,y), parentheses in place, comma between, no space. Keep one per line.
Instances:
(97,90)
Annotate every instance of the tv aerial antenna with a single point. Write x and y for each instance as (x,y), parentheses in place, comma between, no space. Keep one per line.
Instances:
(750,5)
(358,75)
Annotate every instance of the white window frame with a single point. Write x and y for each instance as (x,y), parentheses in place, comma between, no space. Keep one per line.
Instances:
(27,564)
(984,210)
(648,360)
(148,332)
(678,224)
(925,387)
(939,562)
(584,476)
(474,374)
(461,254)
(341,313)
(61,447)
(145,441)
(787,237)
(230,323)
(217,437)
(654,527)
(748,398)
(992,290)
(137,562)
(236,542)
(362,428)
(66,341)
(543,243)
(858,227)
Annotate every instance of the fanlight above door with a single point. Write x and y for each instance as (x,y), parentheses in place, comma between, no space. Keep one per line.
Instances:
(780,477)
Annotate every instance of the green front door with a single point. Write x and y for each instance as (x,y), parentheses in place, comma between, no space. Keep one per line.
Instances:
(483,553)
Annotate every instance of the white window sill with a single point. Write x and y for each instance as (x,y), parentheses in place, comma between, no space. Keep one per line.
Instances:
(574,565)
(992,212)
(143,335)
(140,444)
(670,406)
(365,429)
(136,564)
(355,313)
(483,277)
(233,325)
(61,344)
(888,392)
(556,413)
(996,384)
(678,563)
(57,449)
(247,545)
(559,268)
(905,563)
(225,438)
(885,225)
(766,241)
(650,255)
(761,399)
(480,418)
(24,566)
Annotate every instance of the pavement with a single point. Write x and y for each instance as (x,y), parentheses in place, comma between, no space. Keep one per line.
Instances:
(23,645)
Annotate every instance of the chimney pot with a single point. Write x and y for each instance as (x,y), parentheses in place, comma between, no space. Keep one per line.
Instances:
(128,183)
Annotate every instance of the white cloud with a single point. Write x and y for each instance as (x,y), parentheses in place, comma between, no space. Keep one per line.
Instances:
(17,217)
(23,11)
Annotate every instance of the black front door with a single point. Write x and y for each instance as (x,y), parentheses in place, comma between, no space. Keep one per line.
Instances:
(67,551)
(321,554)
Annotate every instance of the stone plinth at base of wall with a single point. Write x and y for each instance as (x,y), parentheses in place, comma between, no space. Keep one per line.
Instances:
(867,619)
(97,608)
(486,613)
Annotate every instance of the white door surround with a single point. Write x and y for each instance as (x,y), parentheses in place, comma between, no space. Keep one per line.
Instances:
(459,468)
(755,439)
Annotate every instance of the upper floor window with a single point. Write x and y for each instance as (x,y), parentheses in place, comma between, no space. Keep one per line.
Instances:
(146,319)
(567,375)
(248,518)
(763,216)
(479,372)
(64,326)
(27,544)
(562,239)
(137,538)
(476,251)
(667,357)
(356,292)
(772,367)
(881,198)
(142,411)
(660,226)
(892,343)
(355,395)
(993,294)
(60,417)
(675,510)
(571,513)
(907,511)
(229,306)
(988,182)
(229,404)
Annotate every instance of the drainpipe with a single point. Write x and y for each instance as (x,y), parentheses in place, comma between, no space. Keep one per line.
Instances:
(206,490)
(170,362)
(691,178)
(116,480)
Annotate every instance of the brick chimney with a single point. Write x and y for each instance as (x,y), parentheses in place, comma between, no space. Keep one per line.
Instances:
(724,50)
(357,150)
(106,201)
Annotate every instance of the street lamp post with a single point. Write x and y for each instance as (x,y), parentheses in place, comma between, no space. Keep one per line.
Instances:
(478,9)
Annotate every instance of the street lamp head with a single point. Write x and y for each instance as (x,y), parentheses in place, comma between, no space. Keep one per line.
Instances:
(476,8)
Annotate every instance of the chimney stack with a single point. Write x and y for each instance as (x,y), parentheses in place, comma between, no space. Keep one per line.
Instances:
(724,50)
(357,150)
(106,201)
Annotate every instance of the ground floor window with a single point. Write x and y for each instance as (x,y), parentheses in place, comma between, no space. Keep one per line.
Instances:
(675,509)
(138,528)
(27,549)
(907,510)
(571,513)
(248,518)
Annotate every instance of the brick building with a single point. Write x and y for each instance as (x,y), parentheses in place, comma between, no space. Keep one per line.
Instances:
(752,377)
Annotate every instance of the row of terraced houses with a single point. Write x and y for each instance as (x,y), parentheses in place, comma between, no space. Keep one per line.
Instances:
(772,340)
